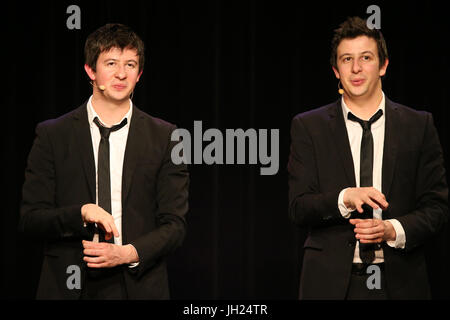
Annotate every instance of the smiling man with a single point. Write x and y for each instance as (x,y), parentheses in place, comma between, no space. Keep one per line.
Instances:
(100,187)
(367,180)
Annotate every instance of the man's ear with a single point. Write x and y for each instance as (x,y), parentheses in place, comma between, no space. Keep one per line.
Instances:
(139,76)
(384,68)
(90,72)
(336,73)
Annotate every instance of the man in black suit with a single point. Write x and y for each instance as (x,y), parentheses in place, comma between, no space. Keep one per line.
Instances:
(100,187)
(367,180)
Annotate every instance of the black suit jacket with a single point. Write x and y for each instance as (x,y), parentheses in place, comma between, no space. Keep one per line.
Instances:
(60,178)
(413,181)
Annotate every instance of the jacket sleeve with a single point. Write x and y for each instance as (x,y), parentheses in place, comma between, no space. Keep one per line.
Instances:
(172,198)
(40,216)
(431,210)
(308,206)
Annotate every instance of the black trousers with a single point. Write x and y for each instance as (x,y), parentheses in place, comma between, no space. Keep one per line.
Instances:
(367,284)
(104,284)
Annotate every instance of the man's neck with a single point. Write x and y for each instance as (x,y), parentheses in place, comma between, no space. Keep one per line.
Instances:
(364,107)
(110,112)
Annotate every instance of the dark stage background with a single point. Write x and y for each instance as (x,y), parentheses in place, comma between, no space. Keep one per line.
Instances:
(231,64)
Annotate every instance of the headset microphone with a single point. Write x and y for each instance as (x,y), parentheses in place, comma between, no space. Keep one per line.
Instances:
(102,87)
(341,91)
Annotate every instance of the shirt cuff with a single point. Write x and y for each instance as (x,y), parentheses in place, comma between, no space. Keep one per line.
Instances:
(346,213)
(134,264)
(400,240)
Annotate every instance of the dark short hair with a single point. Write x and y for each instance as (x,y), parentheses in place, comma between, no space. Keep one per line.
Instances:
(112,35)
(354,27)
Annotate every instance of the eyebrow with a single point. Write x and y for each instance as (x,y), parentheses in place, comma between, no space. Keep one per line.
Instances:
(349,54)
(112,59)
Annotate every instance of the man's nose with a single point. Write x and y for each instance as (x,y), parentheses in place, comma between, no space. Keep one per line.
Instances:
(121,72)
(356,67)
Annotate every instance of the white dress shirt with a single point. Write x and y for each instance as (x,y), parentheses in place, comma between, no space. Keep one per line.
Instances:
(354,131)
(117,144)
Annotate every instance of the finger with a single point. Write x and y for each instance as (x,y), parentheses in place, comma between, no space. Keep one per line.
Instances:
(105,225)
(373,190)
(369,200)
(92,252)
(378,240)
(379,198)
(364,224)
(368,231)
(109,235)
(362,231)
(87,244)
(382,203)
(370,236)
(370,223)
(369,227)
(95,260)
(359,208)
(355,221)
(371,203)
(112,232)
(93,245)
(114,228)
(96,265)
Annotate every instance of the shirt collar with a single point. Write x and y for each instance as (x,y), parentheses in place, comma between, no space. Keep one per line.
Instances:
(346,110)
(92,114)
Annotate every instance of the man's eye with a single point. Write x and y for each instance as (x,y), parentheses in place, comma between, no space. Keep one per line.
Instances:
(366,58)
(131,65)
(347,59)
(110,64)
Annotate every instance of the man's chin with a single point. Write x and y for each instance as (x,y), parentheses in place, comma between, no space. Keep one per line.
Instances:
(358,93)
(117,99)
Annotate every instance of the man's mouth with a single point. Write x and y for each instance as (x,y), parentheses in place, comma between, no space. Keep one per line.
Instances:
(119,86)
(357,82)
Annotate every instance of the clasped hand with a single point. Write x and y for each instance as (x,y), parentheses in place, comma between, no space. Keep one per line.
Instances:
(369,230)
(108,255)
(103,254)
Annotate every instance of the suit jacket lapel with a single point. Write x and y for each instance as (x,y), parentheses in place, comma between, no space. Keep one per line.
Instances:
(390,146)
(84,142)
(134,148)
(340,136)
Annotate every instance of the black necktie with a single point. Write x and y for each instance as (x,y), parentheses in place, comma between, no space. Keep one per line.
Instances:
(366,250)
(103,169)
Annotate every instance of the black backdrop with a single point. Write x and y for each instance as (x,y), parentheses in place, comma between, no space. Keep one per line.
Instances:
(231,64)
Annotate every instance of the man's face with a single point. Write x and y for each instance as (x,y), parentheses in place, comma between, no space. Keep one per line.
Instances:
(118,71)
(358,66)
